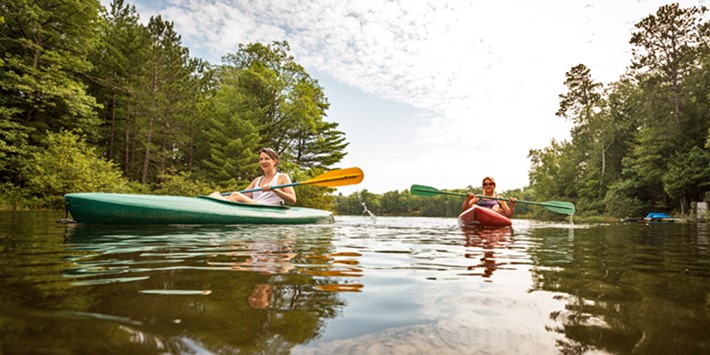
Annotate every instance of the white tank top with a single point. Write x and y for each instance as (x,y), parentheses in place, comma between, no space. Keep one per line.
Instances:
(268,197)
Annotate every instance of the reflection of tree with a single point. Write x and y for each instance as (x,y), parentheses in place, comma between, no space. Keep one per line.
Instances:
(626,288)
(277,298)
(490,241)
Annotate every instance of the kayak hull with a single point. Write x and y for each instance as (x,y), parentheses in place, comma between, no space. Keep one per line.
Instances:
(484,217)
(132,209)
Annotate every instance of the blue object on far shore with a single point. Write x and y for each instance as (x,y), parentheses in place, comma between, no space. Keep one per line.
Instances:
(657,215)
(651,217)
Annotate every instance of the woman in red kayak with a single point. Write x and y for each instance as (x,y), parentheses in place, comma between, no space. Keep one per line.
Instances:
(489,190)
(268,160)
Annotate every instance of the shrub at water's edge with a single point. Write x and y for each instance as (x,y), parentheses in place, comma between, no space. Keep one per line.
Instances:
(68,164)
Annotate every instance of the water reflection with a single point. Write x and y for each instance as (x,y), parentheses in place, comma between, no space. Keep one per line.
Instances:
(626,289)
(258,283)
(489,241)
(401,285)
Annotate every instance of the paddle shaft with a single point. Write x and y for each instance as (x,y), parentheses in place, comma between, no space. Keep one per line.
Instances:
(341,177)
(272,187)
(555,206)
(480,196)
(508,199)
(486,197)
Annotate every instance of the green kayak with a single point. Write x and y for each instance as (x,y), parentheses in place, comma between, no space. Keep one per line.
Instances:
(106,208)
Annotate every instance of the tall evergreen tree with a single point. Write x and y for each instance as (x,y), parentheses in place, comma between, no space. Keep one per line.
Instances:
(668,48)
(665,50)
(583,105)
(229,142)
(165,101)
(286,105)
(119,61)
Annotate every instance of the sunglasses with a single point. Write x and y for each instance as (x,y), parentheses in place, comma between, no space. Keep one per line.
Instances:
(489,184)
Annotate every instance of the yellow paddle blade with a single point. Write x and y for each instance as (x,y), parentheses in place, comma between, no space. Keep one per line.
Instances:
(341,177)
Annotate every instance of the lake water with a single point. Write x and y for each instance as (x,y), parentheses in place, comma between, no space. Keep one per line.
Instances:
(359,286)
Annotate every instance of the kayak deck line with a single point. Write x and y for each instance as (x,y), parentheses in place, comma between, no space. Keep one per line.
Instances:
(234,203)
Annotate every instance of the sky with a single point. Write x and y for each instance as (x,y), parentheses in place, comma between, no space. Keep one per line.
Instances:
(431,92)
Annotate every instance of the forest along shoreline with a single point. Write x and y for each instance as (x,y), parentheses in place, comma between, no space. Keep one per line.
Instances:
(101,102)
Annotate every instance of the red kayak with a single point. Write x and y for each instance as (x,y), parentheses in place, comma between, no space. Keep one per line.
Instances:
(482,216)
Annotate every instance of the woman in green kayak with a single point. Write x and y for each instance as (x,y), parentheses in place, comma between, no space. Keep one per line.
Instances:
(268,160)
(489,190)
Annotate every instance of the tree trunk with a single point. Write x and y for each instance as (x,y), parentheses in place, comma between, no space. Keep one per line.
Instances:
(111,141)
(146,156)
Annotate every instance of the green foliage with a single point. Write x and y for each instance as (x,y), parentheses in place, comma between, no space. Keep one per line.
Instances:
(264,98)
(171,182)
(12,197)
(522,209)
(287,106)
(45,53)
(689,174)
(164,118)
(68,165)
(369,203)
(166,100)
(151,91)
(395,203)
(177,125)
(620,200)
(583,96)
(553,173)
(358,203)
(310,195)
(347,205)
(230,142)
(13,148)
(119,65)
(635,144)
(44,57)
(315,197)
(667,44)
(320,148)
